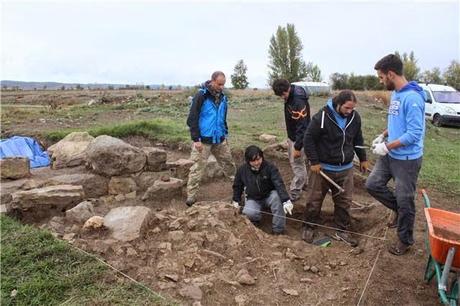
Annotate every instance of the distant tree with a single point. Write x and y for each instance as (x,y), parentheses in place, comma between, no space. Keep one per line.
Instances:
(452,74)
(411,70)
(62,87)
(170,87)
(339,81)
(110,87)
(239,78)
(78,87)
(147,87)
(285,58)
(45,87)
(314,73)
(432,76)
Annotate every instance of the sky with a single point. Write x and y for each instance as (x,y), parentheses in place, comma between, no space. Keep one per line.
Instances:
(173,42)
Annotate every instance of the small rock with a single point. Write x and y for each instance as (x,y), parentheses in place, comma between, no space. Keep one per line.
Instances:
(306,280)
(131,195)
(176,235)
(166,285)
(191,291)
(13,293)
(69,237)
(241,299)
(357,251)
(306,268)
(173,277)
(120,197)
(94,222)
(156,230)
(314,269)
(243,277)
(291,292)
(342,263)
(131,252)
(290,254)
(197,303)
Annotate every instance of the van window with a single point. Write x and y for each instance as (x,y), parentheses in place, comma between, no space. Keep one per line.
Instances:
(428,97)
(447,96)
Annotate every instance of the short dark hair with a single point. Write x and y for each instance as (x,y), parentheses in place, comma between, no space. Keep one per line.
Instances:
(344,96)
(391,62)
(252,153)
(217,74)
(280,86)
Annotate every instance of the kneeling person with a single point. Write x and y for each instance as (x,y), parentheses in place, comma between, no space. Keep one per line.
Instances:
(264,187)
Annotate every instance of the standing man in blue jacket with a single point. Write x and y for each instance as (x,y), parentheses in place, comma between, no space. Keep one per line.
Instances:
(207,121)
(297,117)
(402,152)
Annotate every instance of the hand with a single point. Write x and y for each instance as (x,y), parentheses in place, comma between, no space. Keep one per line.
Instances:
(315,168)
(378,140)
(198,146)
(380,149)
(296,153)
(236,204)
(287,207)
(363,166)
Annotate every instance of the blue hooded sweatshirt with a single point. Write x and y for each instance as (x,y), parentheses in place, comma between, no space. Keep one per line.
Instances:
(406,121)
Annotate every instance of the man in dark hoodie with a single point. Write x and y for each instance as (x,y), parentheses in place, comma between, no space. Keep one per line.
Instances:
(331,140)
(401,154)
(264,187)
(297,117)
(207,121)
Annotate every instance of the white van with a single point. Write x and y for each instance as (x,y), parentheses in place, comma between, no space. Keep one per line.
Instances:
(442,106)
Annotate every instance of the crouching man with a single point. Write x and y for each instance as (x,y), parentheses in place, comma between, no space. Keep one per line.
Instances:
(264,188)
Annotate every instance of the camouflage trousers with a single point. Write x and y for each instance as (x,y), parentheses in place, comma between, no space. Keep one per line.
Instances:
(223,156)
(299,168)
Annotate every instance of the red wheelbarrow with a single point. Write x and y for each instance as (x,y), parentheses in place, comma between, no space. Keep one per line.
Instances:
(443,245)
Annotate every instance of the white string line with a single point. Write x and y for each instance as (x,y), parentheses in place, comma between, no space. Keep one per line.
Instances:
(319,225)
(372,270)
(116,270)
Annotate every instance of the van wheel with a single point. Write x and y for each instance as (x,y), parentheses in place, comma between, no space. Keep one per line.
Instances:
(437,120)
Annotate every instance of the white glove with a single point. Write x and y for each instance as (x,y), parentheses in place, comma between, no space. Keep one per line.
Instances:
(378,140)
(287,206)
(380,149)
(235,204)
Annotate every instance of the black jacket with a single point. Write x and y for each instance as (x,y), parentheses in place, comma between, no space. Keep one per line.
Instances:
(326,142)
(258,184)
(297,115)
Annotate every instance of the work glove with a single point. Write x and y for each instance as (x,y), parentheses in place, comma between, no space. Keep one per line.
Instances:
(236,204)
(288,206)
(315,168)
(297,153)
(380,149)
(378,140)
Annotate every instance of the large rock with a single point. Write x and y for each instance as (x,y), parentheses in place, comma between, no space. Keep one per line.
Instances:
(94,185)
(267,138)
(127,223)
(164,189)
(81,212)
(121,185)
(146,179)
(111,156)
(156,158)
(180,168)
(61,196)
(14,167)
(213,169)
(70,151)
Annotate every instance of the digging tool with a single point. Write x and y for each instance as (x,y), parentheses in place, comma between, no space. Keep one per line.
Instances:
(362,147)
(340,189)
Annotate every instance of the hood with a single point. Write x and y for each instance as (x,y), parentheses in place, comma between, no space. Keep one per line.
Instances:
(330,105)
(412,85)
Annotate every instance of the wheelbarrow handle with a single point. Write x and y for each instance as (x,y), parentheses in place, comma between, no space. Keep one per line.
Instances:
(426,200)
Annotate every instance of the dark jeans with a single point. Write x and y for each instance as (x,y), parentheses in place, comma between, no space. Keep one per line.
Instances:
(317,190)
(401,201)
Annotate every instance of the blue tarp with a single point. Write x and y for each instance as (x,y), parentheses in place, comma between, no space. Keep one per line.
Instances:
(18,146)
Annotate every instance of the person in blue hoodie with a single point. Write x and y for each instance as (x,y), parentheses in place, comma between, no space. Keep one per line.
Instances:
(332,138)
(207,121)
(401,153)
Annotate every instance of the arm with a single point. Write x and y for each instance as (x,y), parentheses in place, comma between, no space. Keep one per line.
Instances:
(359,141)
(238,186)
(311,137)
(301,115)
(194,117)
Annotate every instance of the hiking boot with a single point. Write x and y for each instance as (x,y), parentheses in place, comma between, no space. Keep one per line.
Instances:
(190,201)
(347,238)
(394,221)
(399,248)
(277,233)
(308,234)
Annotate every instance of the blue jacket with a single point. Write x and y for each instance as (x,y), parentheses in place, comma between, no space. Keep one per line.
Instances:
(207,119)
(406,121)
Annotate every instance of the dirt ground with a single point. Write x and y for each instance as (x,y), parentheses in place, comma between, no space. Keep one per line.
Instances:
(188,252)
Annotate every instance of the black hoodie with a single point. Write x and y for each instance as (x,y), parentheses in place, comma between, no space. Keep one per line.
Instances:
(297,115)
(260,183)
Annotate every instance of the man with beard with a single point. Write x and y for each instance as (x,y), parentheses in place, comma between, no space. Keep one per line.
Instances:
(207,121)
(297,117)
(264,188)
(331,140)
(401,154)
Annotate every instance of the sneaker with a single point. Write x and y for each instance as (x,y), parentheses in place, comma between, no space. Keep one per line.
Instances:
(399,248)
(394,222)
(307,234)
(190,201)
(347,238)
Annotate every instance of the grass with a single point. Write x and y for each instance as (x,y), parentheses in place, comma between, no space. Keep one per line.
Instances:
(46,271)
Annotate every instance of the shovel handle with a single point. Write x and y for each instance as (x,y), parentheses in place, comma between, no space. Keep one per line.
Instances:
(331,181)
